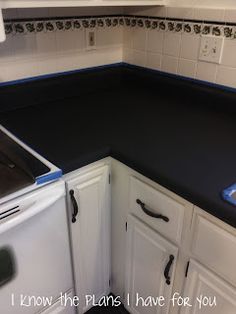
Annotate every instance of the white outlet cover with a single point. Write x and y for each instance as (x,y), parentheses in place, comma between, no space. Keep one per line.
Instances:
(211,49)
(87,38)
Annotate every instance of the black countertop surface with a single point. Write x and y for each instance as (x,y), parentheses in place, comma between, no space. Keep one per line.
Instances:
(178,133)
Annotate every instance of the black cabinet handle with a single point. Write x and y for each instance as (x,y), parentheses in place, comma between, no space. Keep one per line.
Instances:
(150,213)
(74,204)
(167,269)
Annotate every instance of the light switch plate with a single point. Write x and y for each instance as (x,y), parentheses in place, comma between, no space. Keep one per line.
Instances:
(211,49)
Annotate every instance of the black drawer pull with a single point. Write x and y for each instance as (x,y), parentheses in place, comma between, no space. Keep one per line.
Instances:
(167,269)
(150,213)
(75,206)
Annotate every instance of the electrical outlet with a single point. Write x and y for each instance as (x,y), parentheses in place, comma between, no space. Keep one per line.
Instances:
(211,49)
(90,39)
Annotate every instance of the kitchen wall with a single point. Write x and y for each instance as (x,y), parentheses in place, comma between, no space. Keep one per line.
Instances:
(30,54)
(175,48)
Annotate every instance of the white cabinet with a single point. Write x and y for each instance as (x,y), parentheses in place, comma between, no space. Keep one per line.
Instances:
(150,269)
(89,218)
(208,294)
(148,254)
(215,247)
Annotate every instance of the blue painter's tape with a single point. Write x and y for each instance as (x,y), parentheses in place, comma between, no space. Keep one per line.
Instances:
(64,73)
(227,194)
(182,78)
(49,177)
(118,64)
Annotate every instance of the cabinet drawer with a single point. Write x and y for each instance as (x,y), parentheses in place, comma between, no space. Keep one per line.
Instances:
(146,202)
(215,247)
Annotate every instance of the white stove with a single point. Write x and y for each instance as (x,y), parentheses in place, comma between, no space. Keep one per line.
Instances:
(35,263)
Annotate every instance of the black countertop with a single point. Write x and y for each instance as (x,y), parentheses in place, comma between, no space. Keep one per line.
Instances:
(178,133)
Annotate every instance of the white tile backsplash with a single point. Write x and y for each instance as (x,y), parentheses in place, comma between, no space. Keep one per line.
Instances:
(6,48)
(155,41)
(127,55)
(3,74)
(23,46)
(63,11)
(41,53)
(127,37)
(230,15)
(160,11)
(206,71)
(172,43)
(180,12)
(139,58)
(75,40)
(10,14)
(47,65)
(209,14)
(58,63)
(190,9)
(226,76)
(153,61)
(29,12)
(46,43)
(18,70)
(187,68)
(190,47)
(109,37)
(139,38)
(178,53)
(228,57)
(169,64)
(34,54)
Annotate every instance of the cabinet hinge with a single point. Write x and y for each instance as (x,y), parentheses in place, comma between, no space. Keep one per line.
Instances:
(126,226)
(186,271)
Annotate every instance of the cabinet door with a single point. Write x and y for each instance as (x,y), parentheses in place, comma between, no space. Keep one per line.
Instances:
(150,259)
(90,234)
(207,292)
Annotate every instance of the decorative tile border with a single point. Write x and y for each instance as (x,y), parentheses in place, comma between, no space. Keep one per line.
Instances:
(60,24)
(227,30)
(182,26)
